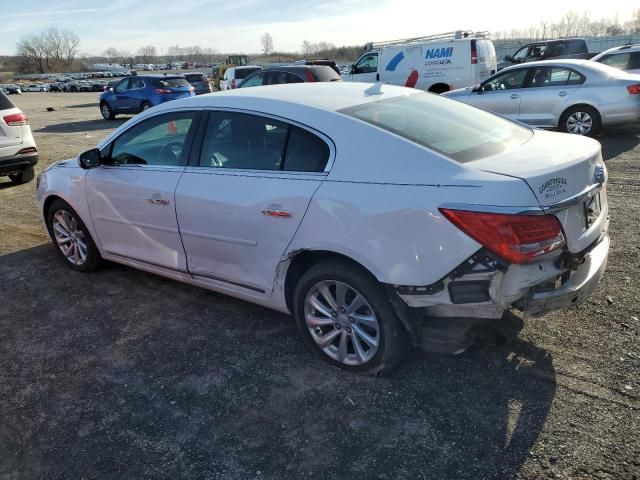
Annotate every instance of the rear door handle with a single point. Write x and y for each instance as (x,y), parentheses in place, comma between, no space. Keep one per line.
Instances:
(156,199)
(563,93)
(515,95)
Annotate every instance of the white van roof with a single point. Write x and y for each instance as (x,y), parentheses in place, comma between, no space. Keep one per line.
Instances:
(456,35)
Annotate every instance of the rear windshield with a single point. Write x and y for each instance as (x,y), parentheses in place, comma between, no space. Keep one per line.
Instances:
(244,72)
(198,77)
(458,131)
(172,82)
(325,74)
(5,103)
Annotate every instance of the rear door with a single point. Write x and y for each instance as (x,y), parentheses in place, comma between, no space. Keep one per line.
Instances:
(548,92)
(131,200)
(241,200)
(10,133)
(502,93)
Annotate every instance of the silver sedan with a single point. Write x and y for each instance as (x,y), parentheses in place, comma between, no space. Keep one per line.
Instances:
(575,96)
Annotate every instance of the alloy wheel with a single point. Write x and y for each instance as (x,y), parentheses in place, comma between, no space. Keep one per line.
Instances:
(341,322)
(579,123)
(69,237)
(106,111)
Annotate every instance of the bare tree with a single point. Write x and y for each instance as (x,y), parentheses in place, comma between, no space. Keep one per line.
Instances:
(111,54)
(147,53)
(33,52)
(69,45)
(267,43)
(307,48)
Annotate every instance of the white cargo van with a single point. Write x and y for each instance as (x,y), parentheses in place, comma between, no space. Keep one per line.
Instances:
(437,63)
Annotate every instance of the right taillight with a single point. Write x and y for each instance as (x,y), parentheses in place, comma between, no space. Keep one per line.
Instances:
(516,238)
(634,89)
(162,91)
(16,119)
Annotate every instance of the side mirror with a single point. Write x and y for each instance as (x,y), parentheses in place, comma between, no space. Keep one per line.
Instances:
(477,89)
(90,158)
(353,70)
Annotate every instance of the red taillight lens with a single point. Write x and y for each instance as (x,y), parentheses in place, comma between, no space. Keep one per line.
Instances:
(16,119)
(516,238)
(26,150)
(474,55)
(161,91)
(634,89)
(310,77)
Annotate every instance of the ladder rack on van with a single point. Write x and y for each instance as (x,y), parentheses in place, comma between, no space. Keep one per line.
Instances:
(457,35)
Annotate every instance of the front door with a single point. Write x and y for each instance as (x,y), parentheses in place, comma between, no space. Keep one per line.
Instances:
(240,206)
(131,197)
(502,93)
(549,90)
(365,69)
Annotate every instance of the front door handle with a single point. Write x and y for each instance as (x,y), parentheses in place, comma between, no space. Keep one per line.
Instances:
(563,93)
(515,95)
(276,213)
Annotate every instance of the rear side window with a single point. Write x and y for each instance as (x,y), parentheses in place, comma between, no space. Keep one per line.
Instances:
(305,152)
(5,103)
(172,82)
(325,74)
(244,72)
(239,140)
(458,131)
(195,78)
(277,78)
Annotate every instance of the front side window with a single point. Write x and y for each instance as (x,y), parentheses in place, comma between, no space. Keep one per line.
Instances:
(244,141)
(456,130)
(521,54)
(122,85)
(367,64)
(506,81)
(157,141)
(617,60)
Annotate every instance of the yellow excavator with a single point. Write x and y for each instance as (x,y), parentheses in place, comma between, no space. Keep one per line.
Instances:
(217,71)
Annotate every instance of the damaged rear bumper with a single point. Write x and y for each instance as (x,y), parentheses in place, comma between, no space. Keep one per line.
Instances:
(482,287)
(575,290)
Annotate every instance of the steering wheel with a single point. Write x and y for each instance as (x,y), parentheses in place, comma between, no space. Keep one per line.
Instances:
(170,153)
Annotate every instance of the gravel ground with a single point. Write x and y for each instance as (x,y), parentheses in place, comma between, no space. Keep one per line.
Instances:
(122,374)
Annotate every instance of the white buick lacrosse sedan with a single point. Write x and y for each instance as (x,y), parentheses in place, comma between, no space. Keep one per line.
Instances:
(359,209)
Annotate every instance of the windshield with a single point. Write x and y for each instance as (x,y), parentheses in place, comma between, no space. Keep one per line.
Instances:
(458,131)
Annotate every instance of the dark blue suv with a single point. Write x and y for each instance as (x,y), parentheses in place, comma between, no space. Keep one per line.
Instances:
(138,93)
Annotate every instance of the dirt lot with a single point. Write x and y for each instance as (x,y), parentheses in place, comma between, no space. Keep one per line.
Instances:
(123,374)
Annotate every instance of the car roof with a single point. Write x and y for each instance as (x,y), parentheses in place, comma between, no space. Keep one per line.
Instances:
(297,68)
(328,96)
(241,67)
(622,49)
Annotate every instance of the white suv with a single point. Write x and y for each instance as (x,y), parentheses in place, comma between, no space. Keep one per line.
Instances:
(18,152)
(625,58)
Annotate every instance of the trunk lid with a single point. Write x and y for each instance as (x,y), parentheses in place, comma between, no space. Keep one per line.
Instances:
(567,175)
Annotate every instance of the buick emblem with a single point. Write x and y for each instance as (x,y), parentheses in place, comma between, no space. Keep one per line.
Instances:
(599,175)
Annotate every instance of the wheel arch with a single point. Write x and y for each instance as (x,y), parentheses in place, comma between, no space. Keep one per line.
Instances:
(303,260)
(579,104)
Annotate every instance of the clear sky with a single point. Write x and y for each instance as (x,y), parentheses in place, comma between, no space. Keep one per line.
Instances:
(236,25)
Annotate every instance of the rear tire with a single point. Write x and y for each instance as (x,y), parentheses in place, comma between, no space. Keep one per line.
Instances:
(368,339)
(23,177)
(71,238)
(581,120)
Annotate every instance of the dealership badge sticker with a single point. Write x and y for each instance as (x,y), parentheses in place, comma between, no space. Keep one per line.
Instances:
(553,187)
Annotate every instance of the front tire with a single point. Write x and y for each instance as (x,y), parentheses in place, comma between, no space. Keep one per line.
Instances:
(23,177)
(145,106)
(344,316)
(581,120)
(71,238)
(106,111)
